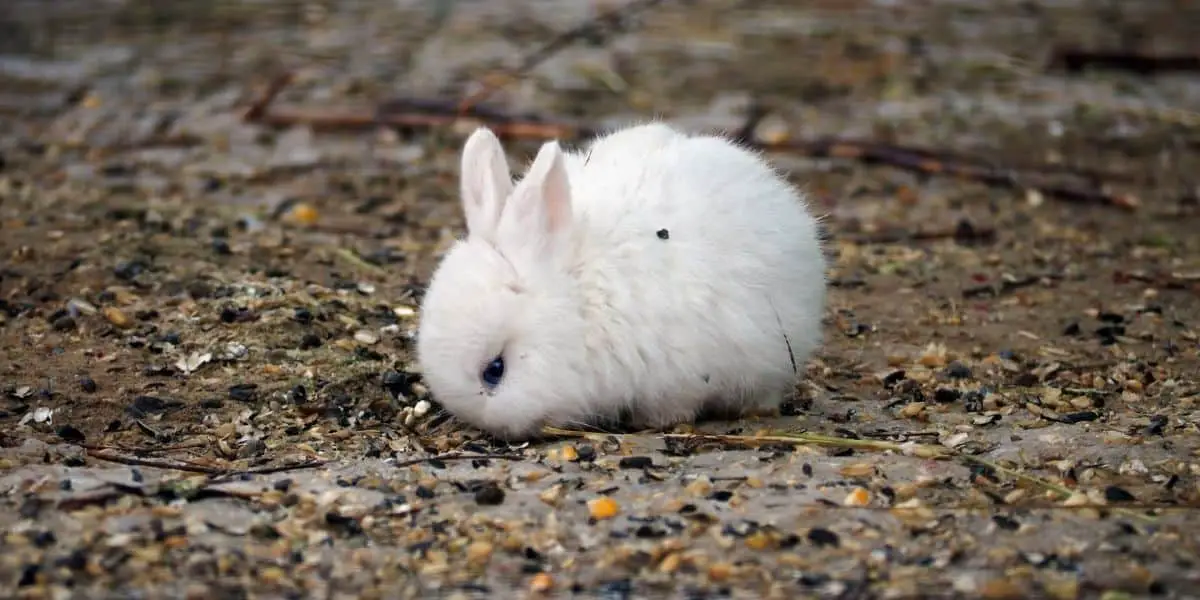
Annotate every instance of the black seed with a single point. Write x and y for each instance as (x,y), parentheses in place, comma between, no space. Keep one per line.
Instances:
(1108,317)
(29,575)
(349,525)
(891,379)
(721,495)
(229,314)
(424,492)
(212,403)
(636,462)
(302,315)
(143,405)
(41,539)
(310,341)
(398,384)
(489,494)
(957,370)
(1114,493)
(283,485)
(1158,423)
(663,234)
(807,469)
(298,395)
(64,323)
(823,537)
(88,384)
(1079,417)
(586,453)
(946,395)
(1006,523)
(129,270)
(70,434)
(221,247)
(1072,329)
(243,392)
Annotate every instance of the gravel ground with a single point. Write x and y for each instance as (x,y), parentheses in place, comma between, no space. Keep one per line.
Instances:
(206,325)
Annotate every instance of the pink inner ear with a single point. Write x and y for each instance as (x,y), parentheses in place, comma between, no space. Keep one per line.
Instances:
(556,195)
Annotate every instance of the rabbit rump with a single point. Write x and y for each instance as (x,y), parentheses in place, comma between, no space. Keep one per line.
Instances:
(650,277)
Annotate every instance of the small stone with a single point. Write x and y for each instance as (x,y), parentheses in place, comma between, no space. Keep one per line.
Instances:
(587,453)
(720,572)
(88,384)
(569,453)
(309,341)
(368,338)
(479,553)
(541,583)
(117,317)
(857,497)
(603,508)
(663,234)
(552,495)
(421,409)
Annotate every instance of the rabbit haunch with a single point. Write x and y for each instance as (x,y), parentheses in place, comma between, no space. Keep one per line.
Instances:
(565,306)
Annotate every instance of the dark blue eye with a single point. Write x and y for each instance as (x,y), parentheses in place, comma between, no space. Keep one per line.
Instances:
(493,372)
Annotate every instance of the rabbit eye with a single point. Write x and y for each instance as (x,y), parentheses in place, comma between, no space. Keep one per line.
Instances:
(493,372)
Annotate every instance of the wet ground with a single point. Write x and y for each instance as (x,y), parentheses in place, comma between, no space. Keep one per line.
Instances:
(206,325)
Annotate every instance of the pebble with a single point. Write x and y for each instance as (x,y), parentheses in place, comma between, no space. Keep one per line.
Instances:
(421,409)
(363,336)
(117,317)
(88,384)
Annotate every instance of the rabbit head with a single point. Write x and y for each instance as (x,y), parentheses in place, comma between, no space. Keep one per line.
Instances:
(499,330)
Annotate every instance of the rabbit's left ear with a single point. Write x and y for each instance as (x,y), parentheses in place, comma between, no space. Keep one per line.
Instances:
(485,182)
(539,210)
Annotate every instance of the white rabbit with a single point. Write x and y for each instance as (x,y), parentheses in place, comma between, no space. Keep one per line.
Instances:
(653,275)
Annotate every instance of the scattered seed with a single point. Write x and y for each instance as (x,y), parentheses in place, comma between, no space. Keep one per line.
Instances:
(489,494)
(663,234)
(603,508)
(823,537)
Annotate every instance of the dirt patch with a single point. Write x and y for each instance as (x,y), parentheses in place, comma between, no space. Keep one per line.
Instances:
(206,324)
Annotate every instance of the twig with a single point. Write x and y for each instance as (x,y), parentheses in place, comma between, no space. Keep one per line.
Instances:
(193,468)
(1074,60)
(268,470)
(964,232)
(456,456)
(260,104)
(428,114)
(593,28)
(158,464)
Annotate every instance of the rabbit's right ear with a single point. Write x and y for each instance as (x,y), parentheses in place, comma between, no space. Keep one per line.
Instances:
(486,182)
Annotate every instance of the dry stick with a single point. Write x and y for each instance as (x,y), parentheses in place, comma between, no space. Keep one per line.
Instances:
(456,456)
(431,114)
(592,27)
(192,468)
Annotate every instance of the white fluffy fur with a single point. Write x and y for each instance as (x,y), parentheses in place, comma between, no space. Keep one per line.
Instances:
(595,315)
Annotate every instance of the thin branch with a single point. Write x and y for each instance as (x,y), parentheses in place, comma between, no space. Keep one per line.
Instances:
(456,456)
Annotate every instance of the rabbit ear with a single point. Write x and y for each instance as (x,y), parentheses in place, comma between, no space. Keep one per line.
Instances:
(486,182)
(540,208)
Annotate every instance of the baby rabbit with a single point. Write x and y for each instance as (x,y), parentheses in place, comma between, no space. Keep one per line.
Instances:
(654,275)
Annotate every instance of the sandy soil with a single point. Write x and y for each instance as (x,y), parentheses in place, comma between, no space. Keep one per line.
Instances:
(206,324)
